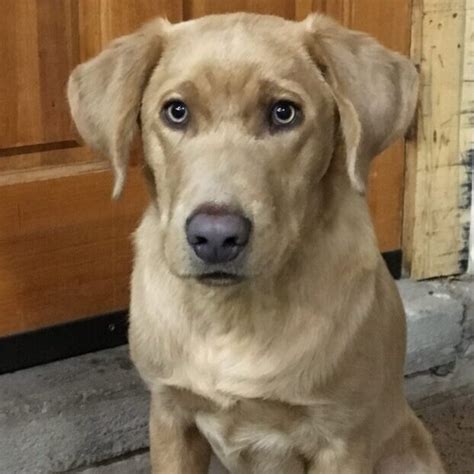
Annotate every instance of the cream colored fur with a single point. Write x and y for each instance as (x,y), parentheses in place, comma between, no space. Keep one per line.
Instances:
(299,367)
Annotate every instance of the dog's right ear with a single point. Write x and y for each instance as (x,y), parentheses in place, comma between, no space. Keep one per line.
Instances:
(105,94)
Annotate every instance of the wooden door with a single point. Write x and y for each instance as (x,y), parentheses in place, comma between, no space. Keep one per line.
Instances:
(65,249)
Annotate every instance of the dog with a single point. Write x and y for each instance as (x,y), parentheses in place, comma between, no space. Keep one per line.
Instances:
(263,318)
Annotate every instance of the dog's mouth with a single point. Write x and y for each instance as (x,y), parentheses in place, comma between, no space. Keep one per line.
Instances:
(219,278)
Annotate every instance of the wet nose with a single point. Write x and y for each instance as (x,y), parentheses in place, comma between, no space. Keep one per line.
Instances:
(217,236)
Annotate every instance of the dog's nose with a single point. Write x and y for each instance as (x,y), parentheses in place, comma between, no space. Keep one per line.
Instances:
(217,236)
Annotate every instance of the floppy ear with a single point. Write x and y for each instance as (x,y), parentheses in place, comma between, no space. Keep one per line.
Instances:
(375,89)
(105,94)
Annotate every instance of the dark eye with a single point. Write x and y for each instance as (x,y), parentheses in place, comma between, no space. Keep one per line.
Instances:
(176,112)
(283,113)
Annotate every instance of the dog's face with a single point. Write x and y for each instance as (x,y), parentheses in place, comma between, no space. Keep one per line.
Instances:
(231,126)
(240,118)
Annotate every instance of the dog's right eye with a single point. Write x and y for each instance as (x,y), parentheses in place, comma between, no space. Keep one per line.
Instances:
(284,114)
(176,112)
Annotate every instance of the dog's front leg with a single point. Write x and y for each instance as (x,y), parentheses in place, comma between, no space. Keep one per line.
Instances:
(176,447)
(337,459)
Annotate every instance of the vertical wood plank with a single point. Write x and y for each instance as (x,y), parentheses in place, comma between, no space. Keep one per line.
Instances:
(411,146)
(101,21)
(435,227)
(388,21)
(36,53)
(341,10)
(197,8)
(466,136)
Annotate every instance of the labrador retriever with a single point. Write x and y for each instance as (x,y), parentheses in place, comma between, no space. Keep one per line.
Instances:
(263,318)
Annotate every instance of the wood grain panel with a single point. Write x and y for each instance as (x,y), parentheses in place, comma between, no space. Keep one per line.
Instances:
(46,160)
(338,9)
(390,22)
(385,196)
(101,21)
(38,48)
(197,8)
(65,249)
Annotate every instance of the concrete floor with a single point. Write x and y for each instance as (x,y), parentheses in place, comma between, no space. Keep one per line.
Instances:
(452,425)
(139,464)
(62,416)
(451,422)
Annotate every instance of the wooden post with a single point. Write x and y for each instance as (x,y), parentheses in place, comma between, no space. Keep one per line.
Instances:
(466,136)
(437,188)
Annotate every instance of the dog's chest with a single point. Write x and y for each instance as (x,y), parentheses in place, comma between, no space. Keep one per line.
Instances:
(219,370)
(258,428)
(230,398)
(225,367)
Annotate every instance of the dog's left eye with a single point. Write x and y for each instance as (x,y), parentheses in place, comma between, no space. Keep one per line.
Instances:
(283,113)
(176,112)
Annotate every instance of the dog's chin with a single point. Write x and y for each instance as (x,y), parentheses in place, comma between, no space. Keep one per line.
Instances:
(219,278)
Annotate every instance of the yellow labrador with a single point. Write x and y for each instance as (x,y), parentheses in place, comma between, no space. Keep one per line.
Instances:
(263,319)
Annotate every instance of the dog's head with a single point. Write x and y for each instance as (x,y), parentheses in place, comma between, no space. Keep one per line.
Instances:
(241,117)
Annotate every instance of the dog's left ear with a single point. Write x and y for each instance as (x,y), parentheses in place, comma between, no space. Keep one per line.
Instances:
(375,90)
